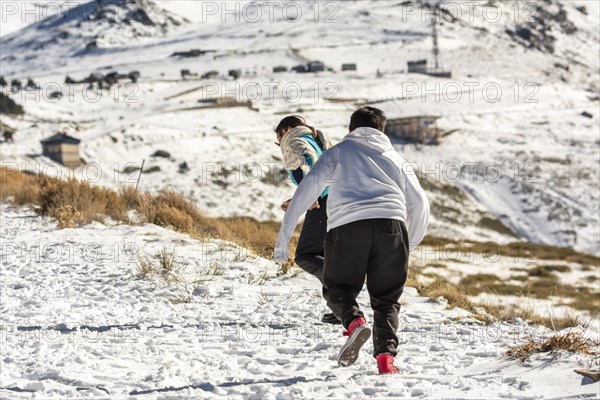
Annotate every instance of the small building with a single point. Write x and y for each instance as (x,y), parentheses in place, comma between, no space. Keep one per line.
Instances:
(63,149)
(224,102)
(190,54)
(420,67)
(210,75)
(315,66)
(186,73)
(300,69)
(235,73)
(348,67)
(419,129)
(417,66)
(279,68)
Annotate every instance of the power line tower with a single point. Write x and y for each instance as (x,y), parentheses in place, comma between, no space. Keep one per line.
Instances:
(420,66)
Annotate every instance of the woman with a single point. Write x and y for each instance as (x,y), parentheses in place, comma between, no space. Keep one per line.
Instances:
(302,146)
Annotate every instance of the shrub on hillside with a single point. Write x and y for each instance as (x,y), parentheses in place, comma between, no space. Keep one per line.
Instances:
(8,106)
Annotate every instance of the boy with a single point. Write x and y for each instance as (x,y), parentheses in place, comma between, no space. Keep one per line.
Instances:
(373,194)
(301,146)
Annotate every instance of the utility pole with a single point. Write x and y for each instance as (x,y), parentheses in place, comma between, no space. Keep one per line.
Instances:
(436,49)
(140,175)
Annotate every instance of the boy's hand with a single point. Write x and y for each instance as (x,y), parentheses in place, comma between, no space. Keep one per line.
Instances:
(285,204)
(281,253)
(314,206)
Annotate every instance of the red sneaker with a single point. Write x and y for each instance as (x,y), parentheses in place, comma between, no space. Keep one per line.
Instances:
(358,333)
(385,364)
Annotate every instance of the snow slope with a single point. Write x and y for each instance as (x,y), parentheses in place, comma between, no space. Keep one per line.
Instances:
(77,321)
(535,134)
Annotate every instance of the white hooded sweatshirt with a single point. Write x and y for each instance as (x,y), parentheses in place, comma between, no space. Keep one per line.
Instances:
(368,179)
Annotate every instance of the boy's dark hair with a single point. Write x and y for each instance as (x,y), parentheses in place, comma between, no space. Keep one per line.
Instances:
(291,121)
(294,121)
(368,117)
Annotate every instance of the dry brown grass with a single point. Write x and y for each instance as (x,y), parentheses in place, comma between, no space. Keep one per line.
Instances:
(74,203)
(527,313)
(285,268)
(66,216)
(144,266)
(167,270)
(167,260)
(536,286)
(455,296)
(93,203)
(247,232)
(168,209)
(458,297)
(182,296)
(517,250)
(130,197)
(574,342)
(22,188)
(412,281)
(71,201)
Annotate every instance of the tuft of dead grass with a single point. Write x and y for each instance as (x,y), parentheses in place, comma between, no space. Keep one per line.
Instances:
(455,296)
(258,280)
(168,271)
(144,266)
(166,265)
(182,296)
(167,260)
(285,268)
(499,313)
(66,216)
(573,342)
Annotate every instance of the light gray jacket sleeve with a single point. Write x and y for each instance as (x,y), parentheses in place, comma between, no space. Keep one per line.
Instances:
(417,207)
(320,176)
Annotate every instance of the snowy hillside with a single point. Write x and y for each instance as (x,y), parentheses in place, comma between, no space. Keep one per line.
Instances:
(85,29)
(113,310)
(78,320)
(523,80)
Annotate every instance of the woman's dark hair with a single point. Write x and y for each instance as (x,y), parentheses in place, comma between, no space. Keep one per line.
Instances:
(368,117)
(292,122)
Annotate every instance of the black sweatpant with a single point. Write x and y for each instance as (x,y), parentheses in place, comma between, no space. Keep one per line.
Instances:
(378,250)
(310,253)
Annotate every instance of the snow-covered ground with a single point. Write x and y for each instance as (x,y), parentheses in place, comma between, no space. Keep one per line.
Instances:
(78,321)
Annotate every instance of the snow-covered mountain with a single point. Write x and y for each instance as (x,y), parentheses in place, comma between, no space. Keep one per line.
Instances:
(86,28)
(523,102)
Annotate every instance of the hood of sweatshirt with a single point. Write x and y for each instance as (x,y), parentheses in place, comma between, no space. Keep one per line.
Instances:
(293,147)
(370,137)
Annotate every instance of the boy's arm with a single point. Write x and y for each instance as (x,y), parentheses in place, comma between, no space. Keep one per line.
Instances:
(308,191)
(417,207)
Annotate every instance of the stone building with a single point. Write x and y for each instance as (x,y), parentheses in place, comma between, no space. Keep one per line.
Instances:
(63,149)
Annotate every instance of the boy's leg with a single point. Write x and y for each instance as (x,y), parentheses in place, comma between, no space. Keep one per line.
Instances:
(347,250)
(309,252)
(386,276)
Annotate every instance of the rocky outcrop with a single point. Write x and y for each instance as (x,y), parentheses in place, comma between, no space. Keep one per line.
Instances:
(536,32)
